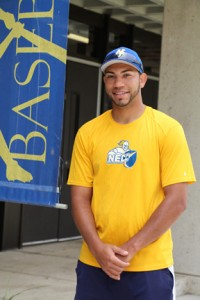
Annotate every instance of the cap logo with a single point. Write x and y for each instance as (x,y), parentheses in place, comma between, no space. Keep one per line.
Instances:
(123,55)
(120,52)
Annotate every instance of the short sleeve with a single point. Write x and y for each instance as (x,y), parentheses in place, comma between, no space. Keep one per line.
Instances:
(176,163)
(81,170)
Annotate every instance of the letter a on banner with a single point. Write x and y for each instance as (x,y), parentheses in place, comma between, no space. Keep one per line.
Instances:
(33,43)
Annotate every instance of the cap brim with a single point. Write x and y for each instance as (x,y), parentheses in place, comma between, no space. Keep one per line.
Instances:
(118,61)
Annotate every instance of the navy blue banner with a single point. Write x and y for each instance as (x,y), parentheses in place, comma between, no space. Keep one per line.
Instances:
(33,42)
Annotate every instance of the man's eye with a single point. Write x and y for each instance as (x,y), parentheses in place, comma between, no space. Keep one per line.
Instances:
(127,75)
(109,76)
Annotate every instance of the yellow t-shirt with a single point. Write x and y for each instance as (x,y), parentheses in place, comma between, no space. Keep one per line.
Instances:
(128,165)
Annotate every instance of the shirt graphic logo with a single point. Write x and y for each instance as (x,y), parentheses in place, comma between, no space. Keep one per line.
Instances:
(122,154)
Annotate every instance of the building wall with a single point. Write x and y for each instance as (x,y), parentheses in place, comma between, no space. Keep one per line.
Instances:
(179,96)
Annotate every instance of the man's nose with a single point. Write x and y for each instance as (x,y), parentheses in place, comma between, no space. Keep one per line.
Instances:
(118,81)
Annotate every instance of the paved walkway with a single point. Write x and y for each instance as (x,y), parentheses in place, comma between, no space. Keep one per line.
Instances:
(43,272)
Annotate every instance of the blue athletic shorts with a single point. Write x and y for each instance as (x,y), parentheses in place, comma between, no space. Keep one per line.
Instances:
(94,284)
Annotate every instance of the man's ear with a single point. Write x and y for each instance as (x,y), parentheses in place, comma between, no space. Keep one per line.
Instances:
(143,79)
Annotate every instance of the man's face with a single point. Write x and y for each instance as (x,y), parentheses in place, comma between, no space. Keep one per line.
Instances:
(123,84)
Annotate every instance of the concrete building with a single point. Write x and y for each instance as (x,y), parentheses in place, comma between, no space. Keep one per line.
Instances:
(179,97)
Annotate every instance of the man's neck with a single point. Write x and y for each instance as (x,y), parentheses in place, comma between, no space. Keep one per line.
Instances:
(125,115)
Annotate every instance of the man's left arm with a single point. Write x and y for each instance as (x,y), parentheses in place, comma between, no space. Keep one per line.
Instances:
(161,220)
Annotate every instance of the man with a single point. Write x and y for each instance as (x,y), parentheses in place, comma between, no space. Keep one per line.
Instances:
(125,199)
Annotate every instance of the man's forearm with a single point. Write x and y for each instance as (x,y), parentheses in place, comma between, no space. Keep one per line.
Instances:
(161,220)
(83,216)
(105,254)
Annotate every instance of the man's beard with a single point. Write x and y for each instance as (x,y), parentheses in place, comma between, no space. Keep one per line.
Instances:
(131,99)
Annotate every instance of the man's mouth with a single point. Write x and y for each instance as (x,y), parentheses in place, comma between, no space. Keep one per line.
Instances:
(120,93)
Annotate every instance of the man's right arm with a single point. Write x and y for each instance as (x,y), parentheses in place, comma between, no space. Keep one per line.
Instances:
(105,254)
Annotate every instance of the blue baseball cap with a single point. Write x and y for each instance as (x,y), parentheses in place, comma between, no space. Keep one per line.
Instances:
(123,55)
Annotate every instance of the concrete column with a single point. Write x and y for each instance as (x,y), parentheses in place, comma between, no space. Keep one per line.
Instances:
(179,96)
